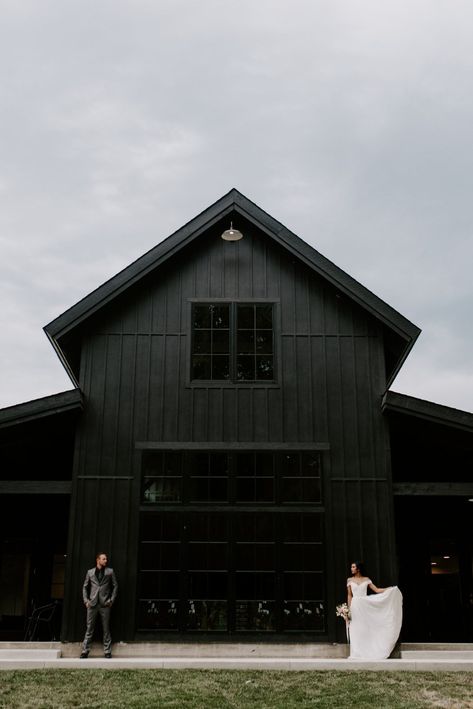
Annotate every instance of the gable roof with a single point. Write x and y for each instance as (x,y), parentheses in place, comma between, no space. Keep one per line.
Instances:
(400,332)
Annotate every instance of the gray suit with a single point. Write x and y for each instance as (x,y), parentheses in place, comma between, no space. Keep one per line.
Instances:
(99,598)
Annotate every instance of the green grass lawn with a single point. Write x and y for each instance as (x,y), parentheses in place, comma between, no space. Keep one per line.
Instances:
(234,688)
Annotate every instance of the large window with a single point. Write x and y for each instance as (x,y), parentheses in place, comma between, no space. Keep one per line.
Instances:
(231,541)
(241,478)
(234,571)
(232,342)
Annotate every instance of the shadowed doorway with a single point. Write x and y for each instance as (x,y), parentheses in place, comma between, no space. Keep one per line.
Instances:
(33,535)
(435,547)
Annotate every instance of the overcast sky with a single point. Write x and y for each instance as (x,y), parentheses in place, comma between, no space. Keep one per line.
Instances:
(350,121)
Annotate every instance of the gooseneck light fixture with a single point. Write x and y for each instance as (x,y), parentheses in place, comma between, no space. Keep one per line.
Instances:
(232,234)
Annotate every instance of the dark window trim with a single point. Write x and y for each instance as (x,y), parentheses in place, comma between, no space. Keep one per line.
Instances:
(281,599)
(234,383)
(231,446)
(232,499)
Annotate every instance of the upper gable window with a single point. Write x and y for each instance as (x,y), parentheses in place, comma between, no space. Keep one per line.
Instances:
(232,342)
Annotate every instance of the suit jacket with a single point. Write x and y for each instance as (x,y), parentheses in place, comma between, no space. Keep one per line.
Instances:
(102,594)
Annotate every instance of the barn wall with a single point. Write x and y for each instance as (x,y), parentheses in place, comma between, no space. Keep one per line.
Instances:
(135,378)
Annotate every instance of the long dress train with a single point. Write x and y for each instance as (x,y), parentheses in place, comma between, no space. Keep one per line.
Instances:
(375,621)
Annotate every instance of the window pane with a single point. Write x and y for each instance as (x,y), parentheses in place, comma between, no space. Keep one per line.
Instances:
(204,585)
(255,557)
(159,584)
(303,586)
(202,316)
(205,556)
(264,464)
(264,490)
(200,367)
(264,342)
(245,528)
(260,464)
(162,490)
(290,464)
(264,317)
(302,528)
(246,317)
(304,615)
(208,490)
(245,490)
(160,526)
(155,555)
(220,316)
(155,614)
(255,490)
(199,464)
(172,463)
(265,527)
(207,615)
(207,528)
(311,490)
(310,465)
(264,368)
(301,490)
(255,615)
(302,557)
(245,464)
(220,367)
(245,368)
(211,342)
(252,586)
(221,342)
(202,342)
(152,463)
(218,464)
(245,342)
(208,477)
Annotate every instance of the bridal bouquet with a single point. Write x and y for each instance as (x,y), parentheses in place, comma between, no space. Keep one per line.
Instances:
(343,611)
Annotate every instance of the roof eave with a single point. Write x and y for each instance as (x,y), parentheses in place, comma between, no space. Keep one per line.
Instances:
(39,408)
(396,402)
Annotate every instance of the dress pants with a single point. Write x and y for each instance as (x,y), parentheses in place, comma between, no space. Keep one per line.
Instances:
(104,612)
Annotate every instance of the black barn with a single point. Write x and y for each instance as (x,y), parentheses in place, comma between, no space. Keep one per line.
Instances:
(231,441)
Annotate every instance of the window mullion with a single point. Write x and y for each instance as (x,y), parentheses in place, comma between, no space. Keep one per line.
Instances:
(233,342)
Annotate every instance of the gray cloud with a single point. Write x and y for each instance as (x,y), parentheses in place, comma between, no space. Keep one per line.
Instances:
(348,121)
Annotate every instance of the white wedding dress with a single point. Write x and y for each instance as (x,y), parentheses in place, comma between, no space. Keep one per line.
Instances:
(375,621)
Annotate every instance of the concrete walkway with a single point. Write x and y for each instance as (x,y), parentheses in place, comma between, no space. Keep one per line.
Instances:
(425,658)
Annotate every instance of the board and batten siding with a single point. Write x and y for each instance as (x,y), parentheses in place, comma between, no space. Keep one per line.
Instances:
(135,377)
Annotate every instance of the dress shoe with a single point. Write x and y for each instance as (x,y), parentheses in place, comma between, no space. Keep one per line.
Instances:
(108,655)
(84,655)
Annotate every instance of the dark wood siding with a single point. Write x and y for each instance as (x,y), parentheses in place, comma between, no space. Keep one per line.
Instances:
(135,379)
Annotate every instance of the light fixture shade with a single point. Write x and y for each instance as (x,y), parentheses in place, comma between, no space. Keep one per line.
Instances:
(232,234)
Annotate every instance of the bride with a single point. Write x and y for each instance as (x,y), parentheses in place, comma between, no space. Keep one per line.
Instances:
(375,620)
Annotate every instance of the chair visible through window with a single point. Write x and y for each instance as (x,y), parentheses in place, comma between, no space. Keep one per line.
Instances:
(42,617)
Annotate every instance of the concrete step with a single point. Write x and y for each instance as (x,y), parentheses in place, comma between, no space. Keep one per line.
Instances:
(22,645)
(213,649)
(29,654)
(436,651)
(436,646)
(436,655)
(234,655)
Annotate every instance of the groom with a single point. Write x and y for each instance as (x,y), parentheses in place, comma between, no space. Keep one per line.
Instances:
(99,592)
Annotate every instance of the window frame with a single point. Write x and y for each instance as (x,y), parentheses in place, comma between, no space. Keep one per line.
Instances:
(232,381)
(237,475)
